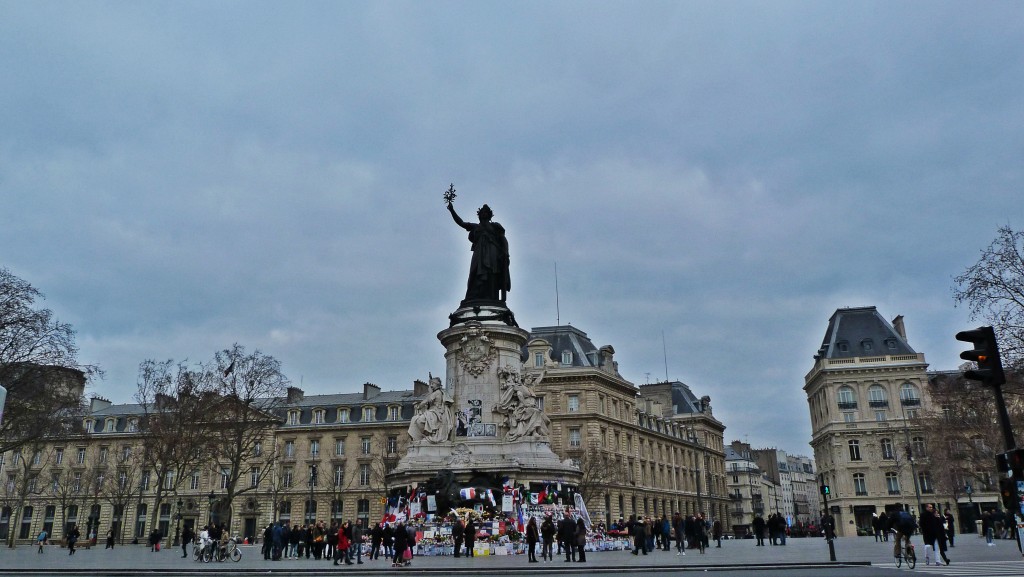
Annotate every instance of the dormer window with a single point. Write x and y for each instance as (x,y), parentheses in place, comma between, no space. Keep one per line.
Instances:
(293,417)
(343,416)
(866,345)
(393,413)
(890,344)
(368,414)
(318,416)
(110,426)
(566,357)
(538,360)
(843,346)
(88,425)
(133,425)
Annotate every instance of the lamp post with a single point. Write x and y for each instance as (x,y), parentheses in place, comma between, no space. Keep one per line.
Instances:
(310,518)
(177,527)
(693,439)
(211,498)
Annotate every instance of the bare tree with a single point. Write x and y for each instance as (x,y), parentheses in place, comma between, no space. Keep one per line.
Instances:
(121,486)
(993,290)
(963,430)
(24,481)
(174,424)
(38,366)
(250,387)
(600,470)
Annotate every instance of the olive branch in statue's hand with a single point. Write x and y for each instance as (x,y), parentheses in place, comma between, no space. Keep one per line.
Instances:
(449,195)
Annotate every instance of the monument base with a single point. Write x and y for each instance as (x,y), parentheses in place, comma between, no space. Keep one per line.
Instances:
(482,311)
(523,461)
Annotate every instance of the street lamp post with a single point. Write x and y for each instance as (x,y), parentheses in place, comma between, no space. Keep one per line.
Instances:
(693,439)
(177,527)
(309,506)
(212,498)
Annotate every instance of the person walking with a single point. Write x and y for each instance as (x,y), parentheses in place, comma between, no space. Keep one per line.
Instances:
(934,535)
(342,545)
(110,539)
(666,534)
(376,536)
(547,533)
(716,533)
(356,546)
(73,535)
(41,540)
(532,536)
(186,538)
(580,541)
(987,526)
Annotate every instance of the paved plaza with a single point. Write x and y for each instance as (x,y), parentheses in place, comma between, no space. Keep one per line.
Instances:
(134,558)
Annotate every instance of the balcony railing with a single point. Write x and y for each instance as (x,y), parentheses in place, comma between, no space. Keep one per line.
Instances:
(894,491)
(911,402)
(847,405)
(878,404)
(735,496)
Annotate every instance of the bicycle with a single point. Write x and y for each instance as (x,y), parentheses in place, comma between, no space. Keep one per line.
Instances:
(908,554)
(229,550)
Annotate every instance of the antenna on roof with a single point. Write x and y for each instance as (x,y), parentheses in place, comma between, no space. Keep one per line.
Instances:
(664,351)
(558,313)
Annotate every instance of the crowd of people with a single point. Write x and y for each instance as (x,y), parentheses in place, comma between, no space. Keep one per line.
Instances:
(340,543)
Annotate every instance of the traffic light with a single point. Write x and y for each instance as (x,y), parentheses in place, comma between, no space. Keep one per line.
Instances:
(985,354)
(825,490)
(1011,461)
(1008,492)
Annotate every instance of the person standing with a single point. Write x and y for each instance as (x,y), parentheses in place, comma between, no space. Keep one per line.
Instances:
(547,533)
(470,534)
(41,540)
(987,527)
(666,534)
(759,530)
(458,534)
(268,540)
(532,536)
(567,536)
(716,533)
(186,538)
(401,544)
(679,528)
(950,528)
(580,541)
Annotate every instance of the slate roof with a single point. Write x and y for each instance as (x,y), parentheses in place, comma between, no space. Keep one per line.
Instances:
(861,332)
(567,338)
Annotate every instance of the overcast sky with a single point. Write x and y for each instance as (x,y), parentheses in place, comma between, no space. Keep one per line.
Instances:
(177,177)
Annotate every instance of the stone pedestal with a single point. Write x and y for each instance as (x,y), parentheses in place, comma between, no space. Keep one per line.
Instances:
(479,354)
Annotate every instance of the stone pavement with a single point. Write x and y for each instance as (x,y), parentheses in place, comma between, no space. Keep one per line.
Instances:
(131,559)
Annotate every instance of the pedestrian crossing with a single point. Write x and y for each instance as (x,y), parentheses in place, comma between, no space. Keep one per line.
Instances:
(966,568)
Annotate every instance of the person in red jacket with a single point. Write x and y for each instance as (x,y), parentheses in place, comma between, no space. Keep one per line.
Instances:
(341,551)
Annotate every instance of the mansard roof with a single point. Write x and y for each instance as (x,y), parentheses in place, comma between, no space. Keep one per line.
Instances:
(564,338)
(861,332)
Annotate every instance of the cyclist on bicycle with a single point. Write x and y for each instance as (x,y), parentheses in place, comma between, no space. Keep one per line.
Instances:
(904,525)
(204,538)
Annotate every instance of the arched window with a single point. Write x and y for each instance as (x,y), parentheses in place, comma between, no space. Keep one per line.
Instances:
(909,396)
(877,397)
(846,397)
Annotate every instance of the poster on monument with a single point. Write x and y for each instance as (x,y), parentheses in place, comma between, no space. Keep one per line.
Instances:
(506,503)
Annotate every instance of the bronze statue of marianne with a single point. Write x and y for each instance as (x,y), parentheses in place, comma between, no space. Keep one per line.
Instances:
(488,270)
